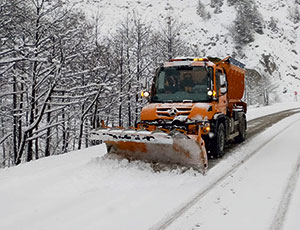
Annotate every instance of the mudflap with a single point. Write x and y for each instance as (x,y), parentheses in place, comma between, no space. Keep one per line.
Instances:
(155,147)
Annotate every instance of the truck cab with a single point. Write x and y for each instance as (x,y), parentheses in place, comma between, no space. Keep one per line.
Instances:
(193,95)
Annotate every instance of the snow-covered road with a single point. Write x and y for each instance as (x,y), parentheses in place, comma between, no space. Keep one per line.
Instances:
(258,194)
(253,188)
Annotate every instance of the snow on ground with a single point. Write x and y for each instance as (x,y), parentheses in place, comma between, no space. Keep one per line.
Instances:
(84,190)
(292,217)
(80,190)
(252,195)
(260,111)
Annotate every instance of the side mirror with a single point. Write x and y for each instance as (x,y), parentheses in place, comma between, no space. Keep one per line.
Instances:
(223,80)
(223,84)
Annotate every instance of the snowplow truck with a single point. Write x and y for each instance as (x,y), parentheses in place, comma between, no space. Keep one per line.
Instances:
(195,107)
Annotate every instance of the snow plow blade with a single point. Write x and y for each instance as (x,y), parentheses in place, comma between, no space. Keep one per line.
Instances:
(156,147)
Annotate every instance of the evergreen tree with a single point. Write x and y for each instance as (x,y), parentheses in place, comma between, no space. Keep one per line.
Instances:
(248,22)
(201,11)
(217,4)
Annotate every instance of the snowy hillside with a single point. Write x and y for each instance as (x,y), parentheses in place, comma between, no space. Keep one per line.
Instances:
(84,190)
(209,27)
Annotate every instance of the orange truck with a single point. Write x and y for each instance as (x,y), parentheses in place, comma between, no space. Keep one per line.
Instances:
(195,107)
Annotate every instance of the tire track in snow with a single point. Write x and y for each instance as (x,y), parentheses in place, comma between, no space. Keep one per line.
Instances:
(167,221)
(282,209)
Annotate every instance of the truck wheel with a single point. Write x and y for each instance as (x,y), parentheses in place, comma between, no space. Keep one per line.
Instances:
(217,144)
(242,131)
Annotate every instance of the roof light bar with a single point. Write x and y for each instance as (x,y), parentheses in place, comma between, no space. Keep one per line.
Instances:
(188,59)
(200,59)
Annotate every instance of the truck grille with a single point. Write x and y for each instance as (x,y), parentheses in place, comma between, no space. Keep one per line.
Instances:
(173,111)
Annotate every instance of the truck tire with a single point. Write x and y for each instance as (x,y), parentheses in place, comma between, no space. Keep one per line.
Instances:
(242,131)
(217,144)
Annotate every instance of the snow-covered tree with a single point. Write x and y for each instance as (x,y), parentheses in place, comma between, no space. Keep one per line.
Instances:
(294,13)
(232,2)
(248,22)
(131,49)
(170,38)
(52,77)
(217,4)
(201,11)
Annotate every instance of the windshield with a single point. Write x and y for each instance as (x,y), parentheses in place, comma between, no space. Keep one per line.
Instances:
(179,83)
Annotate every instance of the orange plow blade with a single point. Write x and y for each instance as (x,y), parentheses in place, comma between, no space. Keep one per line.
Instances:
(156,147)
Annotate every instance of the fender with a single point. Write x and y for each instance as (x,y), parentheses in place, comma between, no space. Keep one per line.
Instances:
(219,118)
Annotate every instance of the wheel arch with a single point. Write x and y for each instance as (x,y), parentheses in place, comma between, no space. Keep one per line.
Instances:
(220,118)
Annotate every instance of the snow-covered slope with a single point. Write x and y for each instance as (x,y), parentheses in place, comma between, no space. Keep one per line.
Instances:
(275,53)
(84,190)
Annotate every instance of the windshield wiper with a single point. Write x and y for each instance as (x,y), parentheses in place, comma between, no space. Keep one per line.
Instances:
(168,101)
(187,101)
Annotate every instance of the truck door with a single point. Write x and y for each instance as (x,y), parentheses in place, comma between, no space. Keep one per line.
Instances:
(221,84)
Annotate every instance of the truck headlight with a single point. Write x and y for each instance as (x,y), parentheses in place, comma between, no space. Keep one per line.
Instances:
(145,94)
(211,93)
